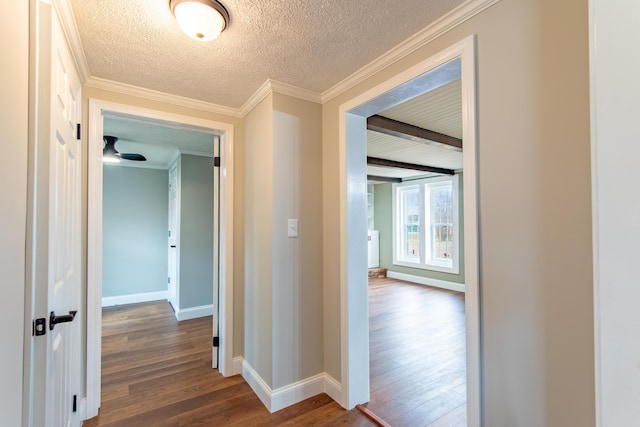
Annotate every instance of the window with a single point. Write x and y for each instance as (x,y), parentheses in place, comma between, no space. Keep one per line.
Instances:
(426,224)
(410,208)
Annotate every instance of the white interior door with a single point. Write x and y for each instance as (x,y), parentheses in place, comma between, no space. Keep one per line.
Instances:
(173,237)
(216,249)
(63,296)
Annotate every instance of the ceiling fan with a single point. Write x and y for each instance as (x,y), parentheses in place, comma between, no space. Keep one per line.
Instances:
(109,151)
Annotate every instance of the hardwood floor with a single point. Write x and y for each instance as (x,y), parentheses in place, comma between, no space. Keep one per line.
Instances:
(417,354)
(157,372)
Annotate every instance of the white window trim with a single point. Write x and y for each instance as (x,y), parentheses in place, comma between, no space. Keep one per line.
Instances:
(423,264)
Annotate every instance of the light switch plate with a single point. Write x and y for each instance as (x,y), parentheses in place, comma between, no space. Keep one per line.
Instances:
(292,228)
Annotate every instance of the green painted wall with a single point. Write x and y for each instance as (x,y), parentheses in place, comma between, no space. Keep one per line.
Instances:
(134,230)
(382,217)
(196,231)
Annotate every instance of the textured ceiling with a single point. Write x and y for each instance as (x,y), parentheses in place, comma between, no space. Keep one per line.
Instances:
(305,43)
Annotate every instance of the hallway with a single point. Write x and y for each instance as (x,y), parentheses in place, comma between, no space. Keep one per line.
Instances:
(156,371)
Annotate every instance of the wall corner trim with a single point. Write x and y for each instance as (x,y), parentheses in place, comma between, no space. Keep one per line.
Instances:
(194,312)
(270,86)
(257,384)
(333,388)
(288,395)
(237,365)
(457,16)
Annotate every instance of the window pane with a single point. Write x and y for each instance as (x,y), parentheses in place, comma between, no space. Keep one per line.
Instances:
(411,224)
(442,222)
(443,245)
(426,224)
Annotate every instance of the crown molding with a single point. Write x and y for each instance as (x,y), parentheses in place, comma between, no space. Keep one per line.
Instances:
(296,92)
(452,19)
(154,95)
(270,86)
(196,153)
(447,22)
(68,22)
(255,99)
(137,165)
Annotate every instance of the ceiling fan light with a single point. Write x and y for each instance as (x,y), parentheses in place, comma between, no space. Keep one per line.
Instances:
(110,158)
(201,20)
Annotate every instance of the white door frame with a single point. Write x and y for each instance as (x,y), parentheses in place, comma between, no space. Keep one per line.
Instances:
(172,291)
(94,236)
(353,259)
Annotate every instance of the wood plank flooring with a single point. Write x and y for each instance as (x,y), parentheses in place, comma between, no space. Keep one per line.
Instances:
(417,354)
(157,372)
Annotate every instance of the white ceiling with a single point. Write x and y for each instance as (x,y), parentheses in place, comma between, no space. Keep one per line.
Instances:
(159,142)
(439,110)
(309,44)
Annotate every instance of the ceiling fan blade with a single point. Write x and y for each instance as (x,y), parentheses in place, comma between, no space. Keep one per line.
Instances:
(133,156)
(110,146)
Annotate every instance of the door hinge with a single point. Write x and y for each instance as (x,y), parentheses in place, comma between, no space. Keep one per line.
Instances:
(168,279)
(216,342)
(78,131)
(39,327)
(216,161)
(75,403)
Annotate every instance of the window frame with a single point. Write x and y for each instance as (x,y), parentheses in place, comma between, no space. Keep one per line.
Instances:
(426,261)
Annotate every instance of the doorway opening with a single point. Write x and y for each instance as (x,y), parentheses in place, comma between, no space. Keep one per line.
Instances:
(416,264)
(222,259)
(353,152)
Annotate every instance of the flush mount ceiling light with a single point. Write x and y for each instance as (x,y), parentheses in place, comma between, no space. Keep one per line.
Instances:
(202,20)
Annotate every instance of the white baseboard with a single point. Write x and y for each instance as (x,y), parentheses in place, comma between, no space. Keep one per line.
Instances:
(83,409)
(282,397)
(194,312)
(459,287)
(296,392)
(237,365)
(134,298)
(333,388)
(257,384)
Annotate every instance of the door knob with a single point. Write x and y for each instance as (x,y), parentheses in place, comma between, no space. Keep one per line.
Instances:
(54,320)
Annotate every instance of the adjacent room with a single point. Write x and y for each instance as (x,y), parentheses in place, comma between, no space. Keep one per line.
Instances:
(416,259)
(158,215)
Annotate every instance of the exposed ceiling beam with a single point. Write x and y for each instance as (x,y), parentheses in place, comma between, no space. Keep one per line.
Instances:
(383,178)
(413,133)
(374,161)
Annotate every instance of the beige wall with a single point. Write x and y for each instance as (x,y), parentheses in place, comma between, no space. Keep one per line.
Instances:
(535,221)
(14,31)
(258,236)
(283,289)
(238,249)
(297,262)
